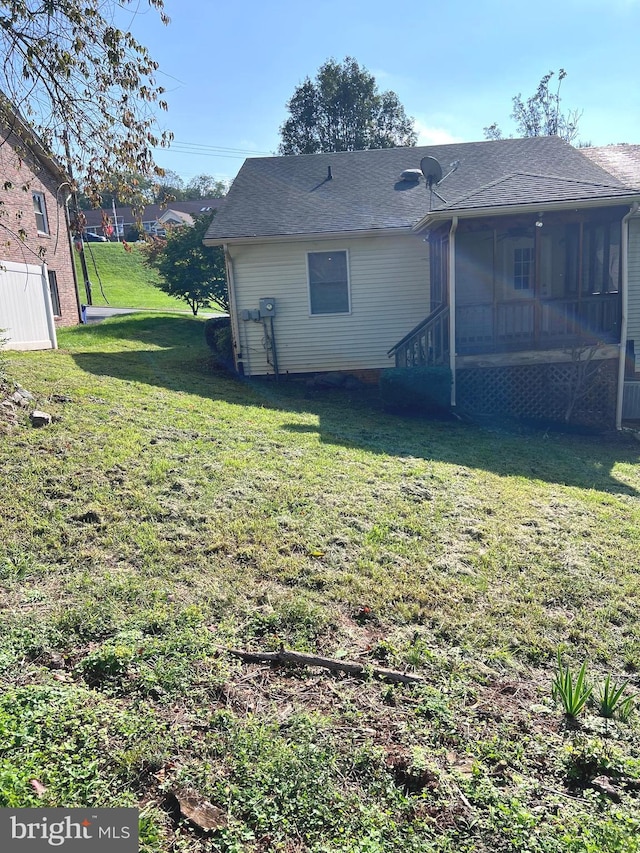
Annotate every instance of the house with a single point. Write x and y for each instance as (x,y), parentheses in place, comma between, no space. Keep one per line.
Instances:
(154,219)
(38,289)
(516,263)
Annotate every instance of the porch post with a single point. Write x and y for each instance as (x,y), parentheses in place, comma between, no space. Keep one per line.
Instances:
(452,307)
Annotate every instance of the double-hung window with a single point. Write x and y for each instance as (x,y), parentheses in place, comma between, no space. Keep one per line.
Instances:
(55,295)
(40,210)
(328,283)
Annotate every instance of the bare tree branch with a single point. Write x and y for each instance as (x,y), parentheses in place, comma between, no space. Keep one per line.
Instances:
(69,68)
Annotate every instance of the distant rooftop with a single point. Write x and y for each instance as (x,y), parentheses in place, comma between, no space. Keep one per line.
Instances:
(152,212)
(623,161)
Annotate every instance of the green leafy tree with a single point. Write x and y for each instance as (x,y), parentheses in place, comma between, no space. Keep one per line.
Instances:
(343,110)
(541,115)
(205,186)
(86,86)
(190,270)
(169,188)
(144,188)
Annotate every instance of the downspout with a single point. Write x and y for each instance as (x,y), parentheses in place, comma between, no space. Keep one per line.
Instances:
(233,314)
(67,218)
(624,319)
(452,307)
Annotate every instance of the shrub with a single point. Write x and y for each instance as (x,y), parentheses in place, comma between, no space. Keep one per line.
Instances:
(217,334)
(422,389)
(188,269)
(134,233)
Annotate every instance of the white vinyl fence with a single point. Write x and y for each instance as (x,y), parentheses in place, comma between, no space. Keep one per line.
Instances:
(26,313)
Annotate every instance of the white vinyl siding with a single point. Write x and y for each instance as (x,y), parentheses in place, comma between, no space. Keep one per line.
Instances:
(634,287)
(389,295)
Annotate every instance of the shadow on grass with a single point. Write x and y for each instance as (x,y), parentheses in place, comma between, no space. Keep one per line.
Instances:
(351,418)
(162,329)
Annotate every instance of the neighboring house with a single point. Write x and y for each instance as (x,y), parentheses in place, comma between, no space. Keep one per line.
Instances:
(518,256)
(623,161)
(38,290)
(154,219)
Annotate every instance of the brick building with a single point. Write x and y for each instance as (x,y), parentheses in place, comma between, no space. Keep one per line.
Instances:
(37,277)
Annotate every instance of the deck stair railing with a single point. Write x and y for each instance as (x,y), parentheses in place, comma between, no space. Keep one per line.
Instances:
(426,345)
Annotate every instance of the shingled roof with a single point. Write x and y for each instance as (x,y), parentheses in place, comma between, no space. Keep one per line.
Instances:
(623,161)
(523,188)
(362,191)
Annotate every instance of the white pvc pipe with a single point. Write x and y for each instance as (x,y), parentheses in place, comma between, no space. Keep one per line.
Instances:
(452,306)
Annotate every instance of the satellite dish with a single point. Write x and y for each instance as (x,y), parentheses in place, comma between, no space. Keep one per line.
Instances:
(431,169)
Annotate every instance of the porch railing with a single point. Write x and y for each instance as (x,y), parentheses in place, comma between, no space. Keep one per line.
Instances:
(427,344)
(528,323)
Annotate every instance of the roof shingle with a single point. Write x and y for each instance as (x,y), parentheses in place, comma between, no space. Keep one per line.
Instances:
(294,195)
(623,161)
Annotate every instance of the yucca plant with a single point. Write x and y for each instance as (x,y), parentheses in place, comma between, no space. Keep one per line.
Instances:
(572,693)
(612,700)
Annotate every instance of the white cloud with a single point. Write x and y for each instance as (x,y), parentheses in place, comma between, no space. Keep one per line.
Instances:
(429,135)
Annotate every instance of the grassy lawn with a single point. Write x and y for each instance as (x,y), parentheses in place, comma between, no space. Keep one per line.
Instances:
(126,281)
(171,513)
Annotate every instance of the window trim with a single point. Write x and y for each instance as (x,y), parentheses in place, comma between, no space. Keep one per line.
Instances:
(312,313)
(40,197)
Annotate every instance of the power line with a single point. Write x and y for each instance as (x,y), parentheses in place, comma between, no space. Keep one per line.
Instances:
(219,147)
(212,150)
(203,153)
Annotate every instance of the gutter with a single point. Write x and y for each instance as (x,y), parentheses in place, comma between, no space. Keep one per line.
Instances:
(76,283)
(515,209)
(624,320)
(233,314)
(308,236)
(452,307)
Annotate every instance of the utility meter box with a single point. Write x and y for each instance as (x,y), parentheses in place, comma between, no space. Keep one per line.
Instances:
(250,314)
(267,307)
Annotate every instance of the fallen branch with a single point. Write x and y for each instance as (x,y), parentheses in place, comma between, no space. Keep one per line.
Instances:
(301,659)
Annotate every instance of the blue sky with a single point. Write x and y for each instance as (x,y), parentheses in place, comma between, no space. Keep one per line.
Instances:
(230,67)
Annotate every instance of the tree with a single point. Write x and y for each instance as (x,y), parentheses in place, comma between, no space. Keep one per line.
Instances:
(169,188)
(190,270)
(143,186)
(540,115)
(85,85)
(342,110)
(205,186)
